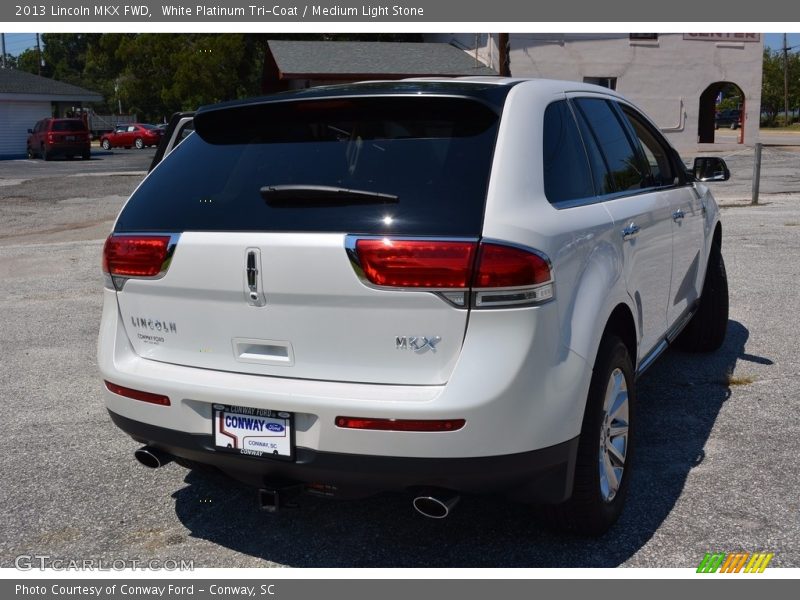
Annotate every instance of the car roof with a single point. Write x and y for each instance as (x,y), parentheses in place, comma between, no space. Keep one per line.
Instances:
(490,90)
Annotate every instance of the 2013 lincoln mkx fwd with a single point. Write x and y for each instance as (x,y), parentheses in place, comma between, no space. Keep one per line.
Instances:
(430,286)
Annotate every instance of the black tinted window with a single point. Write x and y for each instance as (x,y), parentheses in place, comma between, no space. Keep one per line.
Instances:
(627,169)
(68,125)
(566,170)
(603,182)
(655,149)
(433,154)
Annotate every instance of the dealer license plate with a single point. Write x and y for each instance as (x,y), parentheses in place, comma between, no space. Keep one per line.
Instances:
(69,138)
(253,431)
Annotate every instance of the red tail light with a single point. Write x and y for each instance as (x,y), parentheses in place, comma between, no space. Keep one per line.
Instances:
(506,266)
(485,275)
(425,425)
(416,263)
(137,394)
(135,255)
(51,138)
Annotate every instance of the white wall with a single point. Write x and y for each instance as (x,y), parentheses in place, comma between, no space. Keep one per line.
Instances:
(16,117)
(664,77)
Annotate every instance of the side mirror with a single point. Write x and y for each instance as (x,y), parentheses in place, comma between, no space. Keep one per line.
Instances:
(710,168)
(30,130)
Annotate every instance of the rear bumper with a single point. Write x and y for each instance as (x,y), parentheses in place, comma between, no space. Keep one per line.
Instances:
(543,475)
(68,148)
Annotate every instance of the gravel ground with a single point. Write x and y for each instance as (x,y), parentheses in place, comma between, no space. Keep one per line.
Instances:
(717,458)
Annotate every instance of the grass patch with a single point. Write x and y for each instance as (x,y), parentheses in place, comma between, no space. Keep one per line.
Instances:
(793,128)
(732,380)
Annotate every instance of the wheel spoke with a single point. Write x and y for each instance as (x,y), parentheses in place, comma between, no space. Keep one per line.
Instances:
(611,476)
(615,456)
(618,428)
(620,402)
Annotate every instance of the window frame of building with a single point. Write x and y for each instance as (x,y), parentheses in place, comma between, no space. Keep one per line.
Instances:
(610,83)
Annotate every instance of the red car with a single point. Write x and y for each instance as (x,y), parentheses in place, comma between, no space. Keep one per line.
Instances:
(139,135)
(67,137)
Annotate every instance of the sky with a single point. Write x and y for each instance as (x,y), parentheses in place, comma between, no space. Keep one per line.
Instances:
(775,40)
(18,42)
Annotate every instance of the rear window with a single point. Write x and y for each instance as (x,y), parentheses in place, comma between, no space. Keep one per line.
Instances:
(70,125)
(426,160)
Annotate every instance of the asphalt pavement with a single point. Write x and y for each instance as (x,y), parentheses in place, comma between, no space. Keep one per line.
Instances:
(716,459)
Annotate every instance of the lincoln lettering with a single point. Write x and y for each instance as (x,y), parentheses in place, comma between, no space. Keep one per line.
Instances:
(69,11)
(154,325)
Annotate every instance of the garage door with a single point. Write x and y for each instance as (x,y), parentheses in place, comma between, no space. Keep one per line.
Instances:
(15,120)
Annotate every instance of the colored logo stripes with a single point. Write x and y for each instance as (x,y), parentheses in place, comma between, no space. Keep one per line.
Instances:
(734,563)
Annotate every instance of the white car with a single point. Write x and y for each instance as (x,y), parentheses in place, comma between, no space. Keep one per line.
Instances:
(430,286)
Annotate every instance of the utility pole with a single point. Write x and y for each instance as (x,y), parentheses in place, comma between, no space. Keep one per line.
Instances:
(504,54)
(39,60)
(3,38)
(785,82)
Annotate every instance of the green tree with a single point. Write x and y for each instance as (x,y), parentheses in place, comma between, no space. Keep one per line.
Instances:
(27,60)
(156,74)
(772,84)
(65,55)
(103,68)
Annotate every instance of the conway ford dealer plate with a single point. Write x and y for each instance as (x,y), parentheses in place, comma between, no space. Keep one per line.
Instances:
(253,431)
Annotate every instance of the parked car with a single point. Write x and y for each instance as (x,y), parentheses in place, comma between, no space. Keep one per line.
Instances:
(429,286)
(728,118)
(53,137)
(139,135)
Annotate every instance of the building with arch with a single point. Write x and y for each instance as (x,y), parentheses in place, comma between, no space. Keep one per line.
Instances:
(675,77)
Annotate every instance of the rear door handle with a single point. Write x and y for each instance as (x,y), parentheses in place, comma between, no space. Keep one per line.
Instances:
(631,231)
(252,278)
(678,215)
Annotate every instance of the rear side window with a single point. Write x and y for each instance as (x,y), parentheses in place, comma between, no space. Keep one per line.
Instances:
(69,125)
(566,170)
(426,160)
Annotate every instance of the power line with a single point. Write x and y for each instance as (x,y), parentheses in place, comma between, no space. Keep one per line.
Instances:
(17,43)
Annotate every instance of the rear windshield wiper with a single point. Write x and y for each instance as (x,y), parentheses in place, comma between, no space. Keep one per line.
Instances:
(322,195)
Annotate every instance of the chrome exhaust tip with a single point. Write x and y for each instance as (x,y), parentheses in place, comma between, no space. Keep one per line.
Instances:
(151,457)
(436,505)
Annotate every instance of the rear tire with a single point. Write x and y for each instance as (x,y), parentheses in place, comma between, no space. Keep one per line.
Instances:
(31,153)
(603,466)
(139,143)
(706,331)
(45,154)
(87,155)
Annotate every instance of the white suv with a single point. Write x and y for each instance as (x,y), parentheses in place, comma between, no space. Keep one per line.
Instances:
(435,286)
